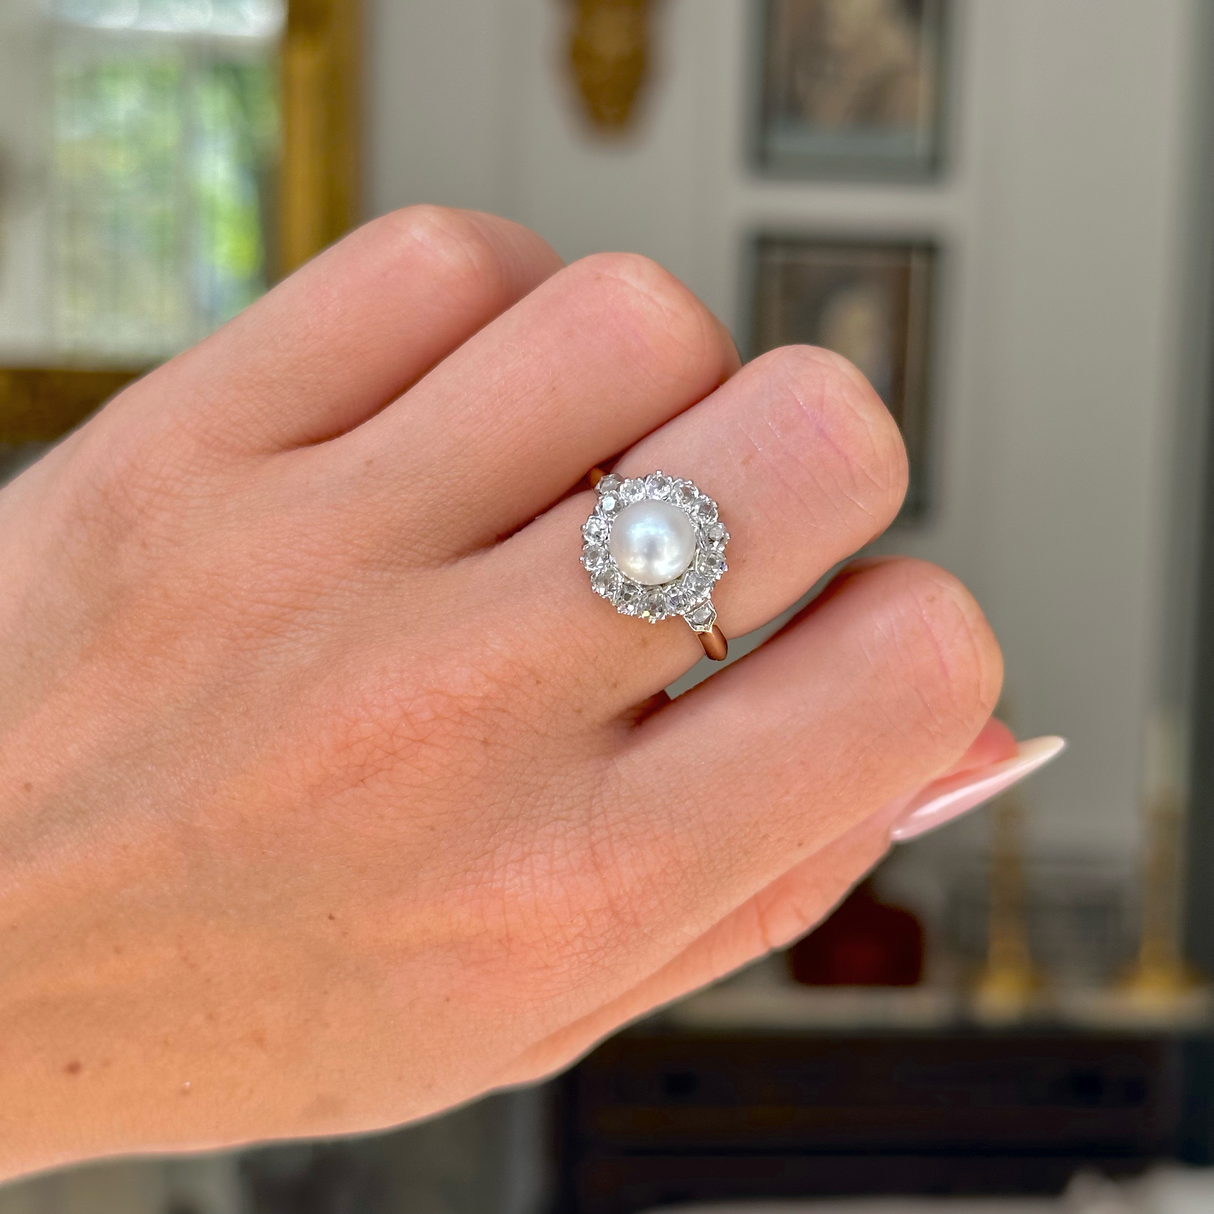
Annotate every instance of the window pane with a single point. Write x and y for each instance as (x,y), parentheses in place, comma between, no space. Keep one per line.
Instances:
(165,149)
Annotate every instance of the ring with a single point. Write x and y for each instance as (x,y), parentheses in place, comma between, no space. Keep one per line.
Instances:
(654,547)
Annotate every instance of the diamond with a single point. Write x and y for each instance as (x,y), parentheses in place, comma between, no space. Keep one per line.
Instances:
(710,564)
(653,606)
(705,510)
(609,503)
(609,484)
(627,596)
(715,533)
(685,494)
(697,585)
(594,557)
(632,490)
(702,618)
(596,530)
(659,485)
(605,582)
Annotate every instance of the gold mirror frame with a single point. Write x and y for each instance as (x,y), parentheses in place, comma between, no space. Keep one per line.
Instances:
(320,67)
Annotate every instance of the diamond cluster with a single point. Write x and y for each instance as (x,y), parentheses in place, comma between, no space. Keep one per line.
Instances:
(688,595)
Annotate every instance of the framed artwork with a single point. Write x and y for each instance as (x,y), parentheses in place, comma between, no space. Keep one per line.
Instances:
(867,300)
(851,88)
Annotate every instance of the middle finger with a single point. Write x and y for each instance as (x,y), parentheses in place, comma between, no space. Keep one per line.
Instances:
(588,363)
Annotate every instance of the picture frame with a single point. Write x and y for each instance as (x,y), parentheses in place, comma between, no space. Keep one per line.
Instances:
(872,301)
(851,89)
(317,200)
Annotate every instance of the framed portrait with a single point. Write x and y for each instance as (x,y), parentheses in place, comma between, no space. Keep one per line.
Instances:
(851,88)
(870,301)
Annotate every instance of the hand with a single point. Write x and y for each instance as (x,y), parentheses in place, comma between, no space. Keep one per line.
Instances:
(330,794)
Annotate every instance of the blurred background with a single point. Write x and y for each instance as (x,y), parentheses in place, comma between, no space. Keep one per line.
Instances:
(1002,211)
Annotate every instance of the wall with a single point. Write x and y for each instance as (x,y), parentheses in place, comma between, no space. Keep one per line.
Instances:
(1065,222)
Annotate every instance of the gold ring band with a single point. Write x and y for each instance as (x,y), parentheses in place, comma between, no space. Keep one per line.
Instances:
(715,645)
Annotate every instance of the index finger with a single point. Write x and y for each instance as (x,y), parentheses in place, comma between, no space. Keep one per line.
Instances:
(345,334)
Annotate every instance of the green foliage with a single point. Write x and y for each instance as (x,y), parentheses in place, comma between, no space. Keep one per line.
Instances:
(163,187)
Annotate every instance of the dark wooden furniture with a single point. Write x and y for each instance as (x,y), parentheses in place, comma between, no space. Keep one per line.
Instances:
(653,1118)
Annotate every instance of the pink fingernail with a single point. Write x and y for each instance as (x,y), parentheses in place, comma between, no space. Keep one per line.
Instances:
(943,800)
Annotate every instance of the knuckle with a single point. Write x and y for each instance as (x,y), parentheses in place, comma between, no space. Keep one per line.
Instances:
(637,296)
(821,404)
(457,241)
(634,270)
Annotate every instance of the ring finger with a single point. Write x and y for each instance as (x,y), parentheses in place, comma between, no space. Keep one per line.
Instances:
(807,466)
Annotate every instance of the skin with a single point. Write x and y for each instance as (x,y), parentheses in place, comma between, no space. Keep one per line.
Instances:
(331,796)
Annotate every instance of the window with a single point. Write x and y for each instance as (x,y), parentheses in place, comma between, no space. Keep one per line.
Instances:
(162,182)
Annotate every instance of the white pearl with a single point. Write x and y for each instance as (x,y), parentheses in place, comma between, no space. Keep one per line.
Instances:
(652,542)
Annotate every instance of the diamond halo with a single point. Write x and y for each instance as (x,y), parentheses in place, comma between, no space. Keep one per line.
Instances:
(690,594)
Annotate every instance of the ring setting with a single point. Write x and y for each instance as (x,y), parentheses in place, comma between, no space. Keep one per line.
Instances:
(654,547)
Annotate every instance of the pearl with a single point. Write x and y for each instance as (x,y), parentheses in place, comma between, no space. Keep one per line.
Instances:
(652,542)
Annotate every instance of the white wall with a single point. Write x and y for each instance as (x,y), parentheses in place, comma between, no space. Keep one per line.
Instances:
(1063,217)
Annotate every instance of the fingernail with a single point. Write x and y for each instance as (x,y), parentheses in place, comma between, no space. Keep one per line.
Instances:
(943,800)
